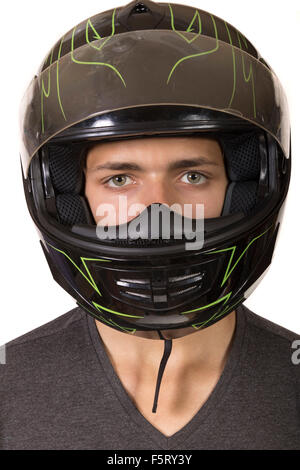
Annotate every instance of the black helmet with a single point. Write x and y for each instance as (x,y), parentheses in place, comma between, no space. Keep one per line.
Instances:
(156,69)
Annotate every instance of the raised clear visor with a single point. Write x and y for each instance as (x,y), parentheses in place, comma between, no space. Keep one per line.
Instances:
(146,68)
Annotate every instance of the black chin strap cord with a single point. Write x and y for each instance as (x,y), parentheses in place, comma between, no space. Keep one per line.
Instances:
(166,355)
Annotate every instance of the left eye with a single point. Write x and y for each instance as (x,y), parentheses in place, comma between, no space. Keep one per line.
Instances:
(118,181)
(194,177)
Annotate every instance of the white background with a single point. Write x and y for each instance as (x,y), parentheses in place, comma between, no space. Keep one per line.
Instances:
(29,296)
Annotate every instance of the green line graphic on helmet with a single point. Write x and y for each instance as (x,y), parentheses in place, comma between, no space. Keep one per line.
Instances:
(196,19)
(57,79)
(250,76)
(100,307)
(217,315)
(90,29)
(98,48)
(198,54)
(96,36)
(45,93)
(246,79)
(229,270)
(204,307)
(109,322)
(234,66)
(95,40)
(190,29)
(89,278)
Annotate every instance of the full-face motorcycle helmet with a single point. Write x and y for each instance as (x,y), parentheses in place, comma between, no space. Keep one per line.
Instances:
(156,69)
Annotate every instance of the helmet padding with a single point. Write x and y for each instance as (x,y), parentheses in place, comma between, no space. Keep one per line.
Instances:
(241,153)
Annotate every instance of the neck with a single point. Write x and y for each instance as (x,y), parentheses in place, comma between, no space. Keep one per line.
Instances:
(206,348)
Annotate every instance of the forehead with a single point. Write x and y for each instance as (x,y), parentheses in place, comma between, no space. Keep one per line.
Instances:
(172,147)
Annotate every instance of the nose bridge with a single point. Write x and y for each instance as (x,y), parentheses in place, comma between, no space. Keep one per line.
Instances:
(157,191)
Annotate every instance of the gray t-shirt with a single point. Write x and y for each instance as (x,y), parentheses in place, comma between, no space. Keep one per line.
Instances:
(58,390)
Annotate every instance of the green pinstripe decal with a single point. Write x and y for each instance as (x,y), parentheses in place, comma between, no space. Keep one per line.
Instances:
(226,298)
(250,76)
(246,79)
(190,27)
(110,322)
(96,35)
(47,93)
(91,281)
(89,277)
(195,24)
(200,325)
(89,26)
(229,307)
(95,63)
(200,53)
(113,311)
(44,92)
(234,65)
(228,272)
(232,249)
(57,80)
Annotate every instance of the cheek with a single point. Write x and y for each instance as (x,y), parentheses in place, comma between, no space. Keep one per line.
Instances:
(96,196)
(212,199)
(91,194)
(215,200)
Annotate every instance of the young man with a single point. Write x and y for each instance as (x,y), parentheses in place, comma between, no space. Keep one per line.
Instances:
(159,170)
(160,353)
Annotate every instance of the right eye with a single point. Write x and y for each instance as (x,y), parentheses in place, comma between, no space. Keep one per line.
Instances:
(118,181)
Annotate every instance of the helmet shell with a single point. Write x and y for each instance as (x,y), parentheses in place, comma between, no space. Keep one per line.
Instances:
(169,55)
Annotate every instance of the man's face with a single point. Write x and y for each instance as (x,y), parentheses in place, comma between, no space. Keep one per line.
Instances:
(167,170)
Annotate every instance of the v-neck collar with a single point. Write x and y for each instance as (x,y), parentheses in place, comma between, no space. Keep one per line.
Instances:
(210,406)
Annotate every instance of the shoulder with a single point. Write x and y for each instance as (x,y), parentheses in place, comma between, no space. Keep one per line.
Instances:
(53,328)
(46,346)
(271,350)
(267,329)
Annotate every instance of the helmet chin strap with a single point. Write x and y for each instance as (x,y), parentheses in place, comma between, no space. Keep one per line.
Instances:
(163,363)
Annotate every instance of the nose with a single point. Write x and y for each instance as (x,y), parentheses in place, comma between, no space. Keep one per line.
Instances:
(157,192)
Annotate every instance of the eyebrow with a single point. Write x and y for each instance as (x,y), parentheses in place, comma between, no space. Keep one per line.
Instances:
(130,166)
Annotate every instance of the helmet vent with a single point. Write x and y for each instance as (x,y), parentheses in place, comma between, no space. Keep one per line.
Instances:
(188,278)
(160,288)
(135,283)
(140,8)
(184,291)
